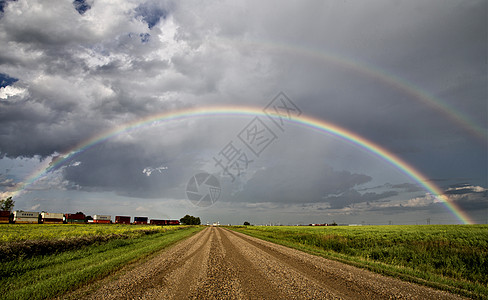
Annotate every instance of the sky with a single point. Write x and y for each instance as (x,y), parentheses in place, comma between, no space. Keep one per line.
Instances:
(167,108)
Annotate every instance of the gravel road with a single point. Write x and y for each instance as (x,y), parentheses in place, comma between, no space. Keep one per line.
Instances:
(218,263)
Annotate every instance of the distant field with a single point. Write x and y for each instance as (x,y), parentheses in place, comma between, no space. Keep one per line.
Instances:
(450,257)
(23,232)
(52,273)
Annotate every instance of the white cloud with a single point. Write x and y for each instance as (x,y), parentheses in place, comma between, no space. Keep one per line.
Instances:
(149,170)
(10,91)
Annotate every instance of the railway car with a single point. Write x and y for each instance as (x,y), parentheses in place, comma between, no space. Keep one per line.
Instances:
(51,218)
(140,220)
(164,222)
(4,217)
(102,219)
(122,220)
(26,217)
(157,222)
(74,218)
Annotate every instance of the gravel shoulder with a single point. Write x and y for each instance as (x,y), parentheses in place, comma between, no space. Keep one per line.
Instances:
(218,263)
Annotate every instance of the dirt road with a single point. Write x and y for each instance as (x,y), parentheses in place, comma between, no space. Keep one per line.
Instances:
(218,263)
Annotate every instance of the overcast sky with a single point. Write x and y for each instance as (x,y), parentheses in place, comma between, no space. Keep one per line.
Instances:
(410,76)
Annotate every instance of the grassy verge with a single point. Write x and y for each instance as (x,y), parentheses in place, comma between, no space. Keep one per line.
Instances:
(47,276)
(29,232)
(448,257)
(24,241)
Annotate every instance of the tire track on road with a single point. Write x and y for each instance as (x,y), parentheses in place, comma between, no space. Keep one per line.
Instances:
(219,263)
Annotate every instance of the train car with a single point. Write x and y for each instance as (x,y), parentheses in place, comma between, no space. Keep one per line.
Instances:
(74,218)
(157,222)
(26,217)
(140,220)
(4,216)
(102,219)
(164,222)
(51,218)
(122,220)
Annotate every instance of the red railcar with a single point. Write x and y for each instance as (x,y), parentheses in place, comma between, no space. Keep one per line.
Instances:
(74,218)
(140,220)
(157,222)
(122,220)
(164,222)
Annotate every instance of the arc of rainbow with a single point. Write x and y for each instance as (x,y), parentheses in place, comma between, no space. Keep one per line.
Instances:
(371,71)
(320,125)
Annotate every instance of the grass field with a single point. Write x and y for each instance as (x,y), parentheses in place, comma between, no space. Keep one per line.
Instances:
(47,276)
(22,232)
(450,257)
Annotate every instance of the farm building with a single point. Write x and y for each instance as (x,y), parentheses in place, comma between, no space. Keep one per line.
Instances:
(51,218)
(4,216)
(101,219)
(21,217)
(122,220)
(140,220)
(74,218)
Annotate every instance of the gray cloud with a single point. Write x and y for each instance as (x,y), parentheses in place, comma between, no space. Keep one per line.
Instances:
(286,183)
(351,197)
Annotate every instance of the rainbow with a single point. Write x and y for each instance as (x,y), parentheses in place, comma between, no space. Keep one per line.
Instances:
(371,71)
(302,120)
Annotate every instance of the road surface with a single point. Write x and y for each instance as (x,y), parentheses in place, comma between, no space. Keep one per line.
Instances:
(218,263)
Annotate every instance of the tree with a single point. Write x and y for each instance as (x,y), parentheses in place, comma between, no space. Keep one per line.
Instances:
(247,223)
(190,220)
(7,204)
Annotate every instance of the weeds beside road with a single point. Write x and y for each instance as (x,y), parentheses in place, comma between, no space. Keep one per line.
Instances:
(46,276)
(449,257)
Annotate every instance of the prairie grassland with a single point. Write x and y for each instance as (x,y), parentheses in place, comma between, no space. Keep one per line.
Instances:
(23,232)
(450,257)
(48,276)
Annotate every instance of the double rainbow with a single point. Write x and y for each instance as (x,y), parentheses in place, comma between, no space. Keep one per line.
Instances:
(305,121)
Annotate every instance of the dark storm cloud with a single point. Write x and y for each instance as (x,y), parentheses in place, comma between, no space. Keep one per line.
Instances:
(286,183)
(407,187)
(351,197)
(118,167)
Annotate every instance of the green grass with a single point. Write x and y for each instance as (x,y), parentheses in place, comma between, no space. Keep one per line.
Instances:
(449,257)
(22,232)
(48,276)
